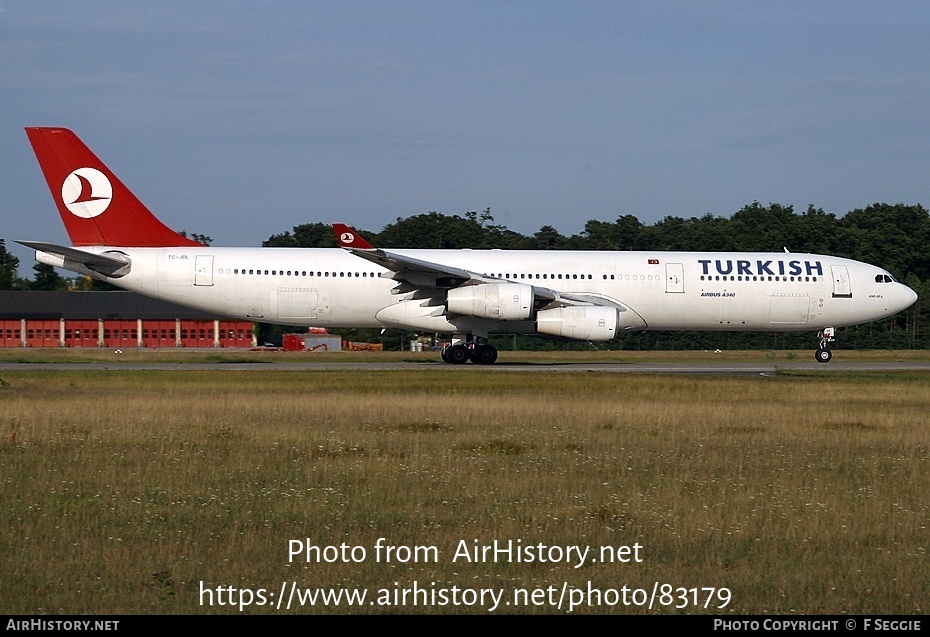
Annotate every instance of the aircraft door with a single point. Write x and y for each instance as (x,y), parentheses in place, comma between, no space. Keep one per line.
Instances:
(674,278)
(203,270)
(841,288)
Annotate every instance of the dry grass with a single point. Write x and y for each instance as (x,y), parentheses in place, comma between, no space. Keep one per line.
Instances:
(801,494)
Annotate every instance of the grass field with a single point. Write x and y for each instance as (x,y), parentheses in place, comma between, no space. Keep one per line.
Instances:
(132,492)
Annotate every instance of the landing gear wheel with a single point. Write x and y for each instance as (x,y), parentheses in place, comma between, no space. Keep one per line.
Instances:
(823,355)
(484,354)
(444,355)
(456,354)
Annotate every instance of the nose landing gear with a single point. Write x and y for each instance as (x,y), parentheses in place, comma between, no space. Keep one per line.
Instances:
(824,354)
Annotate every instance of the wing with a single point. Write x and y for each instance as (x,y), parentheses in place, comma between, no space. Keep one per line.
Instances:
(414,272)
(432,281)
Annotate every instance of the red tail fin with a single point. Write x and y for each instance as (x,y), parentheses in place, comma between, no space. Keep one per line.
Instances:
(96,207)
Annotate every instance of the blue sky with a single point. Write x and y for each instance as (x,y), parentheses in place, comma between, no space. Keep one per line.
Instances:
(242,119)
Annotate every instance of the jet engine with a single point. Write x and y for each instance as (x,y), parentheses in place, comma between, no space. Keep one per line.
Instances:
(499,301)
(582,322)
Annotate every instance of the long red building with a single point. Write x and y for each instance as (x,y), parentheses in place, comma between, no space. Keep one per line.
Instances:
(111,319)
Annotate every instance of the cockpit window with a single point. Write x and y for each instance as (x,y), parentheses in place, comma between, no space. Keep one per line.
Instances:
(884,278)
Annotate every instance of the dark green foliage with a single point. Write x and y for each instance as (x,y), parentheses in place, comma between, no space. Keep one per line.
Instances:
(200,238)
(8,265)
(46,277)
(308,235)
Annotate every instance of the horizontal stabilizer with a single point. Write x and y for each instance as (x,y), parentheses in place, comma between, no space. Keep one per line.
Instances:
(111,264)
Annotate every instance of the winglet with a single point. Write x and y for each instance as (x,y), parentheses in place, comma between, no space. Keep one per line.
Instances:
(349,238)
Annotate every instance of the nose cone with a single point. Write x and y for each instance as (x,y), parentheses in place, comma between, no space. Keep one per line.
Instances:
(910,297)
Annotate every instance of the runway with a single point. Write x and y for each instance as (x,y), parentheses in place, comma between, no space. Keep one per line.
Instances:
(680,368)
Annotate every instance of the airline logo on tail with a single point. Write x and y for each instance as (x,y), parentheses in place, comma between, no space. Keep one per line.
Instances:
(86,193)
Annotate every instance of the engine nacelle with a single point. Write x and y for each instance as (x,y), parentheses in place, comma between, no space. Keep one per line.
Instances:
(584,322)
(499,301)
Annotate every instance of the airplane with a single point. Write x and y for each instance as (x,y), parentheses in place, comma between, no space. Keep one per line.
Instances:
(468,294)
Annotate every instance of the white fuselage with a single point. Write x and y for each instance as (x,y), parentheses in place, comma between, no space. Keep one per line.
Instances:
(660,290)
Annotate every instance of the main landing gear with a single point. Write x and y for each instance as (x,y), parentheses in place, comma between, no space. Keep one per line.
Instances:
(459,352)
(823,353)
